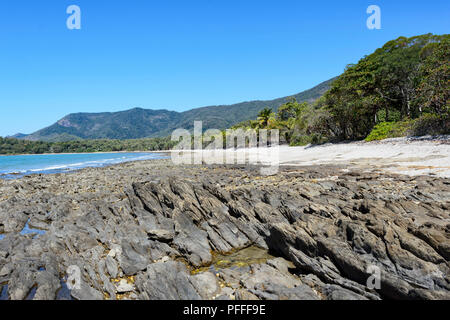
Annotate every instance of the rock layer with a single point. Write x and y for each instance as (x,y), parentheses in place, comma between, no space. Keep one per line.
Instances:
(146,230)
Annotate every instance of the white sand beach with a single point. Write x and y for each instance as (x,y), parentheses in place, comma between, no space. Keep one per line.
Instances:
(411,156)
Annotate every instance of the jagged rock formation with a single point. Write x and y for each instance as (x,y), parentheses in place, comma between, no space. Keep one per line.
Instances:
(151,230)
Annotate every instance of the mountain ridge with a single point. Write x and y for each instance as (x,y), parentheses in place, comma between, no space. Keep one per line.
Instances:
(138,123)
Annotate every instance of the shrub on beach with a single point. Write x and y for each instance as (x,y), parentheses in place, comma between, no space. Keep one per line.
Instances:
(427,124)
(304,140)
(431,124)
(385,130)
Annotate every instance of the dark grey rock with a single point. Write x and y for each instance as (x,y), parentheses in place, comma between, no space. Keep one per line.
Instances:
(326,227)
(166,281)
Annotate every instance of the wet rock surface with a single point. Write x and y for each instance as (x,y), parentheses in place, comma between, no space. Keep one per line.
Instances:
(152,230)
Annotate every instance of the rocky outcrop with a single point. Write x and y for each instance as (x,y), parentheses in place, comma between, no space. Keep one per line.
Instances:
(151,230)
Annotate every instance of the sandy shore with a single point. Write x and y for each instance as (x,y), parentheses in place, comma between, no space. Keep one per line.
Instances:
(410,156)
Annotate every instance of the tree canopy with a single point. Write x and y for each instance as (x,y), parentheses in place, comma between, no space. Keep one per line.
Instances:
(403,87)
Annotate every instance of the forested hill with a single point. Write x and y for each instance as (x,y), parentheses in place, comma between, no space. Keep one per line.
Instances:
(140,123)
(402,89)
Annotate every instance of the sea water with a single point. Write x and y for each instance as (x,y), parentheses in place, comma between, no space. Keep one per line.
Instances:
(18,166)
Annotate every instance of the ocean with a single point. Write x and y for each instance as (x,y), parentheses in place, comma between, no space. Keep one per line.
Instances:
(18,166)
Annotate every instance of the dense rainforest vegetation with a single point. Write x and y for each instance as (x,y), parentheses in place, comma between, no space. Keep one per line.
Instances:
(16,146)
(401,89)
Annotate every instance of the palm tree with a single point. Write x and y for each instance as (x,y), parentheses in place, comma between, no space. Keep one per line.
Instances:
(264,117)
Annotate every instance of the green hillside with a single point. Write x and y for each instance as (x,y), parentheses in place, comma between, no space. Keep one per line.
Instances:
(141,123)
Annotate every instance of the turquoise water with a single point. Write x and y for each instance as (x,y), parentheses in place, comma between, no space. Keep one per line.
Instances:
(17,166)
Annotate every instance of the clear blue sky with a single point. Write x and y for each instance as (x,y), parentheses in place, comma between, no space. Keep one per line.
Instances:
(178,55)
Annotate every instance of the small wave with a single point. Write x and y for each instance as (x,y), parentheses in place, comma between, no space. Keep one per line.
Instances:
(63,167)
(46,169)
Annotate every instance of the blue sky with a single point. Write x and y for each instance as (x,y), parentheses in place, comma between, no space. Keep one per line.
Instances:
(179,55)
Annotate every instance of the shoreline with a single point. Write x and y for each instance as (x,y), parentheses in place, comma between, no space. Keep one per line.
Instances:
(54,168)
(73,153)
(410,156)
(443,139)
